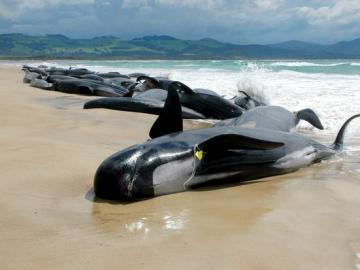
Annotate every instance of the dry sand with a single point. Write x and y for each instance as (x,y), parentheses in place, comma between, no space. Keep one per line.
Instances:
(50,149)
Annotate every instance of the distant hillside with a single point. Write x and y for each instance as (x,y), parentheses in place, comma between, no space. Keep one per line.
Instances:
(344,49)
(163,47)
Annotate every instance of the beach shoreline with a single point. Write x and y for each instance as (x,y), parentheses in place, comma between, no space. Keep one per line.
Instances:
(51,149)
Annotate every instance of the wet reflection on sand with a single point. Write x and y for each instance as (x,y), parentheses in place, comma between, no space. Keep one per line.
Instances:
(172,222)
(139,225)
(175,222)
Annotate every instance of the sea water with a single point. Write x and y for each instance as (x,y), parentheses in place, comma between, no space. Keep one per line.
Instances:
(330,87)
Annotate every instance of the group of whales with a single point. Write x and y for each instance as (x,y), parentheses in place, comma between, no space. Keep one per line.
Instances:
(252,140)
(138,92)
(80,81)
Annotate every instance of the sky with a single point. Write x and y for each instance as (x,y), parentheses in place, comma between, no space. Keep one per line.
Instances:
(236,21)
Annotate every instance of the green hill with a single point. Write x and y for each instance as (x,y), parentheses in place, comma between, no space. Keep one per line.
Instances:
(13,46)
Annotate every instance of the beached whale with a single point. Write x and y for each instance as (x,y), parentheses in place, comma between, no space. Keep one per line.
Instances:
(208,98)
(92,77)
(58,78)
(206,103)
(150,102)
(113,75)
(30,76)
(70,85)
(38,70)
(42,84)
(80,81)
(149,106)
(117,81)
(176,160)
(73,72)
(88,87)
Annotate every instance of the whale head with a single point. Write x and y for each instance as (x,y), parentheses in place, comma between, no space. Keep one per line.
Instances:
(144,170)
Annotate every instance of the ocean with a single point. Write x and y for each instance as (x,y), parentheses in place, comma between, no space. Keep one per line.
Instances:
(330,87)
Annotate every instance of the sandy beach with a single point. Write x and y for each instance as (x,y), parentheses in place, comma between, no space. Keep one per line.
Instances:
(51,148)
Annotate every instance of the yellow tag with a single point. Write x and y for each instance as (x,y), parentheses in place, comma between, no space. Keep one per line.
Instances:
(199,154)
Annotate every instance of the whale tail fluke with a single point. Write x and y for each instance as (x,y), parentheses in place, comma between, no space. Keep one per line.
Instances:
(170,118)
(309,116)
(339,141)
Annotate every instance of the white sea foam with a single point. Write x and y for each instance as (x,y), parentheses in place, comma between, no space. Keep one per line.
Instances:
(304,64)
(250,81)
(333,97)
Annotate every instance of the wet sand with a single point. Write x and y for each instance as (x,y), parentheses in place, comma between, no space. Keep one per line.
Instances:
(50,149)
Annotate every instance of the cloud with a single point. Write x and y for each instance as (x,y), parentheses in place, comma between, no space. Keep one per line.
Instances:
(199,4)
(11,9)
(268,4)
(245,21)
(340,12)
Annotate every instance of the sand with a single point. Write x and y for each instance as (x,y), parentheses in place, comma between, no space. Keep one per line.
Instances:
(50,149)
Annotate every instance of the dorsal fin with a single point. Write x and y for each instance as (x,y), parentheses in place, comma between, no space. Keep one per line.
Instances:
(339,141)
(309,116)
(170,119)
